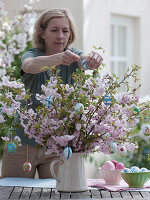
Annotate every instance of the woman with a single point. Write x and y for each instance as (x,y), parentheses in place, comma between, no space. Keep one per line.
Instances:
(54,32)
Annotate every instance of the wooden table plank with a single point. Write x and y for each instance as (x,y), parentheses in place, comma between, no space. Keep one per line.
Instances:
(95,194)
(26,193)
(125,194)
(136,194)
(145,195)
(16,193)
(36,193)
(54,194)
(65,195)
(116,195)
(46,193)
(81,195)
(105,194)
(5,192)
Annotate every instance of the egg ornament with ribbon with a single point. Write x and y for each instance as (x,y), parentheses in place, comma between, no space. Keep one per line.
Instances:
(11,147)
(122,150)
(67,153)
(27,166)
(11,111)
(146,130)
(107,100)
(136,109)
(48,102)
(79,108)
(1,112)
(113,147)
(83,64)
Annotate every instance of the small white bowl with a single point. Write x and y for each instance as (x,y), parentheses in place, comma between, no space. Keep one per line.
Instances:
(111,177)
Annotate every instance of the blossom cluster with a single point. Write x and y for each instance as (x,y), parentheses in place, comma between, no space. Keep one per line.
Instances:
(13,37)
(56,124)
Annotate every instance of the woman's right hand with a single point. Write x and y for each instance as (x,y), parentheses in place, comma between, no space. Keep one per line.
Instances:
(67,57)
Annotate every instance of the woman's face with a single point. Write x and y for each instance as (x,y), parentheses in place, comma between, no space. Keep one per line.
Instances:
(56,35)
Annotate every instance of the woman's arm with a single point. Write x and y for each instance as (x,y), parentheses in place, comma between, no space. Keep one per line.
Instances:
(34,65)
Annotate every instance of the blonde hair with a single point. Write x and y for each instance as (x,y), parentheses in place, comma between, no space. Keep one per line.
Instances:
(42,23)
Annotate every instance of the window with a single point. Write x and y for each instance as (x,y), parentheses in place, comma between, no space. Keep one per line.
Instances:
(121,44)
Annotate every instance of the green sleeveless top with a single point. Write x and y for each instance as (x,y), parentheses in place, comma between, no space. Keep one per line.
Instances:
(33,82)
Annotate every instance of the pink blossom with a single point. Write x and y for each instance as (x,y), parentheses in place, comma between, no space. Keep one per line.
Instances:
(78,127)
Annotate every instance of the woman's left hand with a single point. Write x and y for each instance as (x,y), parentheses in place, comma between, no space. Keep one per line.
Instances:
(93,60)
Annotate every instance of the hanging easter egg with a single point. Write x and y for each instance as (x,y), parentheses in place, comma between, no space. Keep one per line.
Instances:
(113,147)
(107,100)
(105,136)
(122,151)
(27,167)
(67,153)
(11,147)
(146,130)
(48,102)
(136,109)
(11,111)
(1,112)
(83,64)
(79,108)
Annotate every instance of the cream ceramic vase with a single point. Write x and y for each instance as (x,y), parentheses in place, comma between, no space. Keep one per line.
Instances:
(71,174)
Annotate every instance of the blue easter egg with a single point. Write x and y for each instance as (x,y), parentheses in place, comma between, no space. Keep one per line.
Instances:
(83,64)
(126,170)
(107,100)
(113,147)
(48,102)
(134,169)
(136,109)
(11,147)
(67,153)
(79,108)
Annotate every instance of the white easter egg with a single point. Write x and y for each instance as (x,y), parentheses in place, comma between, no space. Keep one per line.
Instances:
(122,151)
(67,153)
(113,147)
(79,108)
(146,130)
(143,169)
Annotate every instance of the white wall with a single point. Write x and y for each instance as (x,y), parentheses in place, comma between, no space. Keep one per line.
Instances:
(96,17)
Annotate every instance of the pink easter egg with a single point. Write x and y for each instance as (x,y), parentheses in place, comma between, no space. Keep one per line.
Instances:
(27,167)
(114,162)
(119,166)
(108,165)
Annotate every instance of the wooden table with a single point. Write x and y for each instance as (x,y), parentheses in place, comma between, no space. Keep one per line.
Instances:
(49,193)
